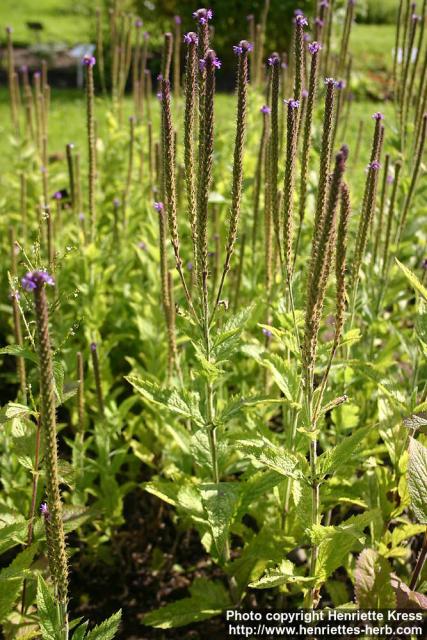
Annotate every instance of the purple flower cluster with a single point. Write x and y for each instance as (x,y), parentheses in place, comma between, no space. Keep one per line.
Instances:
(292,104)
(378,115)
(138,23)
(177,19)
(191,38)
(301,20)
(36,279)
(215,61)
(265,109)
(267,332)
(57,195)
(44,510)
(329,81)
(375,165)
(314,47)
(273,59)
(319,22)
(243,47)
(203,15)
(89,61)
(340,84)
(158,206)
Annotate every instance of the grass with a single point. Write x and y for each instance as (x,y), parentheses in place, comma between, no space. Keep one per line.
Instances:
(64,21)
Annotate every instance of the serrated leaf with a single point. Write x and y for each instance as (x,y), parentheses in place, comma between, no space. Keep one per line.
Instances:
(170,399)
(207,599)
(335,543)
(405,597)
(11,579)
(13,410)
(277,576)
(268,455)
(12,534)
(338,456)
(417,421)
(47,611)
(107,629)
(412,278)
(372,581)
(80,632)
(236,405)
(417,479)
(220,503)
(19,352)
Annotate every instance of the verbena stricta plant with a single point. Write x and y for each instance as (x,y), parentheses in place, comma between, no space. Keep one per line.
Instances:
(217,309)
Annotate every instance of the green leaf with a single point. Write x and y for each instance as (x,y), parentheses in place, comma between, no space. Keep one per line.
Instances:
(11,579)
(220,503)
(416,284)
(80,632)
(228,337)
(372,581)
(48,614)
(107,629)
(13,410)
(417,479)
(268,455)
(417,421)
(277,576)
(335,543)
(338,456)
(19,352)
(183,406)
(236,405)
(12,534)
(207,599)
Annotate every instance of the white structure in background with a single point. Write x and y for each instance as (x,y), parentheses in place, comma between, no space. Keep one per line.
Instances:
(78,53)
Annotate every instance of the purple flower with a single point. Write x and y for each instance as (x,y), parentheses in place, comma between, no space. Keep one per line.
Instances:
(301,20)
(89,61)
(81,217)
(319,22)
(340,84)
(267,332)
(390,178)
(292,104)
(138,23)
(216,62)
(415,18)
(375,165)
(273,59)
(36,279)
(284,65)
(243,46)
(177,19)
(330,81)
(36,74)
(191,38)
(57,195)
(23,68)
(159,95)
(378,115)
(142,245)
(298,12)
(190,266)
(146,35)
(424,264)
(324,3)
(93,346)
(265,109)
(14,295)
(203,15)
(314,47)
(44,510)
(116,202)
(304,93)
(158,206)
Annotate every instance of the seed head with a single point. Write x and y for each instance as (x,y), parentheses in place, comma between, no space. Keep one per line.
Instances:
(243,47)
(330,81)
(301,20)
